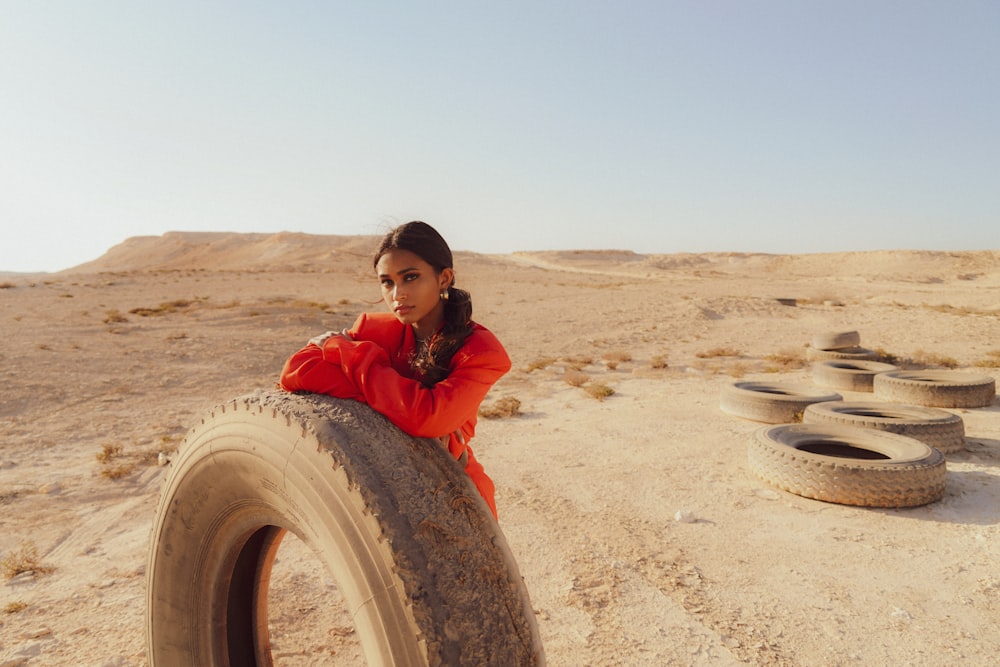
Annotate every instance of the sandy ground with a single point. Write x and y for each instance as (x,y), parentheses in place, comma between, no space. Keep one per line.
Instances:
(589,491)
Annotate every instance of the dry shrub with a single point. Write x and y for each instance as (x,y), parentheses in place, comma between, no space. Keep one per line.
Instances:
(15,606)
(111,467)
(961,310)
(718,352)
(163,309)
(737,370)
(933,359)
(7,285)
(599,390)
(114,317)
(786,360)
(108,453)
(658,361)
(302,303)
(508,406)
(575,378)
(886,357)
(578,362)
(991,360)
(540,363)
(617,355)
(24,560)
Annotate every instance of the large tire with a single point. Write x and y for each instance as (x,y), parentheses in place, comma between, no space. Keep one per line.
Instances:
(939,389)
(848,375)
(854,353)
(848,465)
(938,428)
(770,402)
(836,341)
(423,567)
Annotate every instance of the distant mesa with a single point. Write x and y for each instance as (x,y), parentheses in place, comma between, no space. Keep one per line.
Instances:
(293,251)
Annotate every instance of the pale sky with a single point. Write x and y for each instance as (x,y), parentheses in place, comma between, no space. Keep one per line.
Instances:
(659,127)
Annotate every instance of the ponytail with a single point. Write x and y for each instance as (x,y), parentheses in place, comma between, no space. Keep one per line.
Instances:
(433,363)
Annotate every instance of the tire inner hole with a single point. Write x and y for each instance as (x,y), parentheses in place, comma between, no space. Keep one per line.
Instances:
(872,413)
(840,450)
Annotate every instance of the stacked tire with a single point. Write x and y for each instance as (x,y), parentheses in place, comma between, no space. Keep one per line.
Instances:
(839,345)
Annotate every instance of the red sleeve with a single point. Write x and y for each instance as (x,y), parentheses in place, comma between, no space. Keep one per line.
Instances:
(318,370)
(420,411)
(313,369)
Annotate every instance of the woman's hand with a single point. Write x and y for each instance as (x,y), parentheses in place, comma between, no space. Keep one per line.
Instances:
(446,439)
(319,340)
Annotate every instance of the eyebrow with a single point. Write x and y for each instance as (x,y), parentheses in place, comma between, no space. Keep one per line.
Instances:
(401,272)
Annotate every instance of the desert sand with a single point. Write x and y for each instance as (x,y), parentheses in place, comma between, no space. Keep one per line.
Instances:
(642,535)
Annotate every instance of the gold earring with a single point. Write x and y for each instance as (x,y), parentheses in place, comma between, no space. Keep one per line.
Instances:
(445,295)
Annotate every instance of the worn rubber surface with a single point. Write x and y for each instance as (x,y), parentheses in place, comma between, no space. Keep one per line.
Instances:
(855,353)
(847,374)
(938,428)
(770,402)
(848,465)
(940,389)
(423,567)
(836,340)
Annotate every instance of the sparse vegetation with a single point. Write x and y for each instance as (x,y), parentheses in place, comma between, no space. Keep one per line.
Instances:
(578,362)
(504,407)
(962,310)
(111,466)
(918,360)
(718,352)
(737,369)
(163,309)
(933,359)
(599,390)
(540,363)
(785,360)
(114,317)
(15,606)
(658,361)
(108,453)
(991,360)
(612,359)
(575,378)
(24,560)
(318,305)
(7,285)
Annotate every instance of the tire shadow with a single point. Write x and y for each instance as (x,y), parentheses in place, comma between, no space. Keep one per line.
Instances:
(980,451)
(971,497)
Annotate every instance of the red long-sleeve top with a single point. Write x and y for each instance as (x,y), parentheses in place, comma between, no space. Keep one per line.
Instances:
(374,367)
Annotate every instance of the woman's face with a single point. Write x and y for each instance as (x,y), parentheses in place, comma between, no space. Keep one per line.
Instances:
(412,290)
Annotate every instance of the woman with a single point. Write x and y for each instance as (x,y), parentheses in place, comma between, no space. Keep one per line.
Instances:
(426,365)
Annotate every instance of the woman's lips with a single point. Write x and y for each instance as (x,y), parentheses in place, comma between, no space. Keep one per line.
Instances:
(403,310)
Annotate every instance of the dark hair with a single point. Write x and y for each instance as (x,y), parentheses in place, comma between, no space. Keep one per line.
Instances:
(424,241)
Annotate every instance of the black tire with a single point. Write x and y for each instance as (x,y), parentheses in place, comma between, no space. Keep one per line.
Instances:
(422,565)
(938,428)
(847,374)
(854,353)
(836,341)
(848,465)
(770,402)
(939,389)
